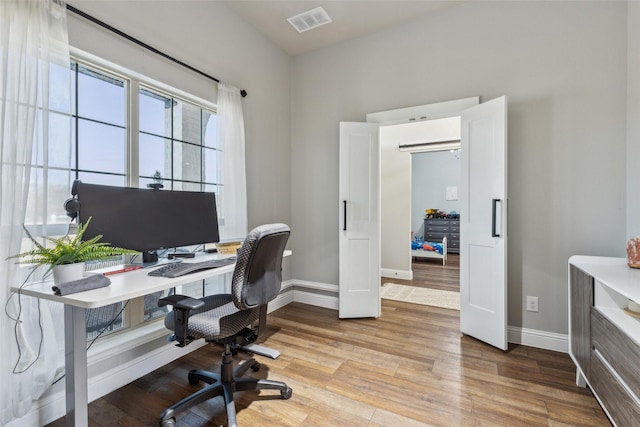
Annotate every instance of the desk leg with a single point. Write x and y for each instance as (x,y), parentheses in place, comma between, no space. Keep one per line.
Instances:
(75,345)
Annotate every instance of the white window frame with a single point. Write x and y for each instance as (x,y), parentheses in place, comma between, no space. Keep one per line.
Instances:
(134,312)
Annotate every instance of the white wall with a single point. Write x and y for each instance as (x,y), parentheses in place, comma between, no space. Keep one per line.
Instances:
(431,174)
(633,120)
(562,66)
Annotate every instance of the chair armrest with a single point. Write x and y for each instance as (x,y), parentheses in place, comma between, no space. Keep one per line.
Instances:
(181,301)
(182,305)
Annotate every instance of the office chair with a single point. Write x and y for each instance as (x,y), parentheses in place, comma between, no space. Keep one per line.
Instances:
(226,319)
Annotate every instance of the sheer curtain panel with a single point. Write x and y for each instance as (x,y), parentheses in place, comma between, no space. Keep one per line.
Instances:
(34,170)
(233,195)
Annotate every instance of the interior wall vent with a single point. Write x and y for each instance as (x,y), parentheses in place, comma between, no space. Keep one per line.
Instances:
(310,19)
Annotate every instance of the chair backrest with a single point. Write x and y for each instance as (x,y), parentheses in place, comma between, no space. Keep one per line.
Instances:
(258,273)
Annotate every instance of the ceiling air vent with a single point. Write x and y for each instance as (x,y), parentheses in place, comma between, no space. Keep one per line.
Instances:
(310,19)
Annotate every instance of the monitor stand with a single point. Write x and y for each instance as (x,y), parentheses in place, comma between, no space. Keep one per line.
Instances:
(149,257)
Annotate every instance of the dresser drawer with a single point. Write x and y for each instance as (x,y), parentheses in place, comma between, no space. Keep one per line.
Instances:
(434,237)
(438,228)
(455,223)
(453,244)
(621,406)
(622,353)
(437,222)
(454,237)
(454,228)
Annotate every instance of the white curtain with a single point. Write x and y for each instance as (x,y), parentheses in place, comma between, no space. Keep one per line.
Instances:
(34,167)
(232,198)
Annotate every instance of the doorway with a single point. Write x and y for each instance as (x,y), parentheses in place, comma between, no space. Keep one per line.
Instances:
(483,224)
(434,259)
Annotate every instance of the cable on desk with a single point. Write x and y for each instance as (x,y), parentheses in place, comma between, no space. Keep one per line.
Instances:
(18,321)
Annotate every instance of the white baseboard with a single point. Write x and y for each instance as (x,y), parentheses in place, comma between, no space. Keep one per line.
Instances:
(538,339)
(396,274)
(315,299)
(307,293)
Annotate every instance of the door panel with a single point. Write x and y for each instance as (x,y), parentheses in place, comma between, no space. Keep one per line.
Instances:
(359,287)
(483,223)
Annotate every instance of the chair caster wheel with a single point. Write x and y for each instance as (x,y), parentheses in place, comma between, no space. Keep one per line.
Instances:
(192,379)
(255,367)
(171,422)
(286,393)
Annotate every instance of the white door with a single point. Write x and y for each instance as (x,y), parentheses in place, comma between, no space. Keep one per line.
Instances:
(483,223)
(359,242)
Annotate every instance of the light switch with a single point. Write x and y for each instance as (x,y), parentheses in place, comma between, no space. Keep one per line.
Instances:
(451,193)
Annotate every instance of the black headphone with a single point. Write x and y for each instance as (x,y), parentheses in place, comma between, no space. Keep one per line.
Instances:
(72,205)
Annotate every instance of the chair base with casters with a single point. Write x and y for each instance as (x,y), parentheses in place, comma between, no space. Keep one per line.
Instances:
(224,384)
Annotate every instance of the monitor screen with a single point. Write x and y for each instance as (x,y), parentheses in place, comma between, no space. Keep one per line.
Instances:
(146,219)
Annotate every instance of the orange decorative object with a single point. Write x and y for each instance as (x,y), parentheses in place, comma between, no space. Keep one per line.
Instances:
(633,252)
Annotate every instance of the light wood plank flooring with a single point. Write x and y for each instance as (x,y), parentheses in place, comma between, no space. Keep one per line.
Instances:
(430,273)
(410,367)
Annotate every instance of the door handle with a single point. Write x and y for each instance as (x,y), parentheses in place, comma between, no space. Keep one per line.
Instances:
(493,218)
(344,226)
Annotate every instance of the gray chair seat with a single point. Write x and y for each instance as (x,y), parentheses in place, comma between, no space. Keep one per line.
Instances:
(226,322)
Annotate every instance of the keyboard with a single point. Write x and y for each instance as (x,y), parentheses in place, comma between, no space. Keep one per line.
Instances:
(177,269)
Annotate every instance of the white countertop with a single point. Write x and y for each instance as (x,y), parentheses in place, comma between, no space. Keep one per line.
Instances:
(611,272)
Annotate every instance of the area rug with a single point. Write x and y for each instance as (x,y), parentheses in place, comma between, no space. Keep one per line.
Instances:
(424,296)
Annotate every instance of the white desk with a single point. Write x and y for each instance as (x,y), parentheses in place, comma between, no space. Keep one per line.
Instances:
(124,286)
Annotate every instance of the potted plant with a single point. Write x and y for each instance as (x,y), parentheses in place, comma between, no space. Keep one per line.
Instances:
(68,253)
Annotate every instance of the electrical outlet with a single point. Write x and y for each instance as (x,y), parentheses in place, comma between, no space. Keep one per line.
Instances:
(532,304)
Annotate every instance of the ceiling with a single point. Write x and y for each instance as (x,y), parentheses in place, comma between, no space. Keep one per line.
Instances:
(351,19)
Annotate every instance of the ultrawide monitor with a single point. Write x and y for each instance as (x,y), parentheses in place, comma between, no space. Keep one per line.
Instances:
(146,219)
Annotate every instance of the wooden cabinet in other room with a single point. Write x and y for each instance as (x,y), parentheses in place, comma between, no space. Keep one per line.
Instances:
(437,228)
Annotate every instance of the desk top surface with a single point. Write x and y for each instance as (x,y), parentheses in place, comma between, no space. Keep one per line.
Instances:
(125,286)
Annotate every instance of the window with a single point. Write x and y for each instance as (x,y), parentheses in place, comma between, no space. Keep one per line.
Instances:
(100,127)
(173,137)
(177,141)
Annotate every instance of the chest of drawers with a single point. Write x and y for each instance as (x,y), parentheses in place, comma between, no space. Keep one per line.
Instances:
(437,228)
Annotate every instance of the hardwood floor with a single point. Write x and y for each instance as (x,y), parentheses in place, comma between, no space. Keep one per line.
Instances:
(410,367)
(430,273)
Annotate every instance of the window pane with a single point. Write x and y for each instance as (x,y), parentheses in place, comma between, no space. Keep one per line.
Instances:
(100,97)
(212,189)
(74,107)
(151,309)
(155,113)
(193,289)
(186,162)
(187,186)
(101,147)
(101,178)
(211,166)
(58,140)
(155,155)
(105,320)
(187,123)
(218,285)
(210,129)
(59,143)
(59,88)
(58,190)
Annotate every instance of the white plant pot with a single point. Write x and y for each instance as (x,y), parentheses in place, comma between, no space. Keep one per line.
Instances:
(68,272)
